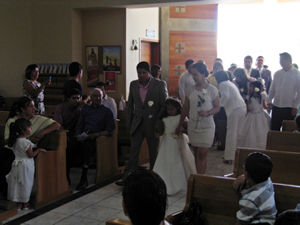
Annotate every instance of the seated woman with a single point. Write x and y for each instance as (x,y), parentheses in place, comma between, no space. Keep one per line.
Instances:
(23,108)
(34,89)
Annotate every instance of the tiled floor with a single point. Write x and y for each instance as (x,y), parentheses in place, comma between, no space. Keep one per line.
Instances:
(105,203)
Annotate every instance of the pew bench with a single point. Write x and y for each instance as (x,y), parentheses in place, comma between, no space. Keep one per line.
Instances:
(289,125)
(220,201)
(107,156)
(124,140)
(285,165)
(3,117)
(118,222)
(283,141)
(50,168)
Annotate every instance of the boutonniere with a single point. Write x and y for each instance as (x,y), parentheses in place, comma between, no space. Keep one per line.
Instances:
(150,104)
(242,90)
(256,89)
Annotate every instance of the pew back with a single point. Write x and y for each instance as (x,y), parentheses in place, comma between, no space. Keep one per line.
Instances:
(50,167)
(3,117)
(220,201)
(107,156)
(289,125)
(285,165)
(283,141)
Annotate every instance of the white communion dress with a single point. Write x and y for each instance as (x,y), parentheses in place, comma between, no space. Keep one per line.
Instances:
(174,164)
(21,177)
(256,125)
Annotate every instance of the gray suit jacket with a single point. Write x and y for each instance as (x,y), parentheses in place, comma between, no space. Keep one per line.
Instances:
(266,75)
(138,112)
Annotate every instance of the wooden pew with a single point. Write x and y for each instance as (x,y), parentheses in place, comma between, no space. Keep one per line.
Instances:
(124,139)
(285,165)
(283,141)
(220,201)
(107,156)
(289,125)
(118,222)
(3,117)
(50,168)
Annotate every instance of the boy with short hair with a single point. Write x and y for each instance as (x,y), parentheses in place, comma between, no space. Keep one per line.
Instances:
(145,198)
(257,205)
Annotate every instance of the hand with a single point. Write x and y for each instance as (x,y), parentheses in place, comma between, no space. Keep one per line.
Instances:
(270,105)
(92,136)
(178,130)
(46,83)
(202,113)
(156,134)
(238,182)
(41,150)
(294,111)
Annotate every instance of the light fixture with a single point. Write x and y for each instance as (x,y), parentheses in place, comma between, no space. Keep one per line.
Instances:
(134,44)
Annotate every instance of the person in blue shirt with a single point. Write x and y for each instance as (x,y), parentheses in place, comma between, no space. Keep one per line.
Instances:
(94,121)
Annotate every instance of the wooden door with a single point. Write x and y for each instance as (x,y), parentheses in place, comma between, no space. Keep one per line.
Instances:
(150,51)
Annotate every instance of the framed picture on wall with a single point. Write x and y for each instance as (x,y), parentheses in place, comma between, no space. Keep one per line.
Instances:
(111,58)
(110,81)
(92,65)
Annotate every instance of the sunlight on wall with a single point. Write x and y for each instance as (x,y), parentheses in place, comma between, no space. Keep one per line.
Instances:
(258,29)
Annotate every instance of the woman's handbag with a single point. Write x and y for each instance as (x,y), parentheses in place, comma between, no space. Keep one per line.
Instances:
(193,215)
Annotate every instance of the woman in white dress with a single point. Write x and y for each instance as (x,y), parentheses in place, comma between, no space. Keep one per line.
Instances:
(175,161)
(20,179)
(256,125)
(201,103)
(235,109)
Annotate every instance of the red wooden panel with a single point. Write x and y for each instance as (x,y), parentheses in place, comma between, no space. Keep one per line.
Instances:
(198,46)
(195,11)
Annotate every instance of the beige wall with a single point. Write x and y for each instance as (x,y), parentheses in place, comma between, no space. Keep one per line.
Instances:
(105,27)
(137,21)
(15,46)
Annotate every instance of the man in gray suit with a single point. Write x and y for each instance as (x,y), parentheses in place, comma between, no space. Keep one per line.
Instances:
(146,104)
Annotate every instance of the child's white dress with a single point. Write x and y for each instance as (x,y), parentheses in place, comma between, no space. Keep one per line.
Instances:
(254,129)
(21,177)
(174,165)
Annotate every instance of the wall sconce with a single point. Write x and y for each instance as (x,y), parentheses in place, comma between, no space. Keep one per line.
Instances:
(134,44)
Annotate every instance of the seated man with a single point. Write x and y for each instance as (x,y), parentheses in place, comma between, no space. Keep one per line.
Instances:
(257,205)
(67,113)
(108,101)
(94,121)
(145,198)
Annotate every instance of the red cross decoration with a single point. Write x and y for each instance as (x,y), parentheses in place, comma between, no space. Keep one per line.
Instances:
(179,47)
(179,69)
(180,9)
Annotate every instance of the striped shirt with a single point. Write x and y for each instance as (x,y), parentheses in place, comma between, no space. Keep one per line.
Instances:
(257,204)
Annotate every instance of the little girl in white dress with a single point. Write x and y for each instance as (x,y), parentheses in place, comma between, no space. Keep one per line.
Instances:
(175,161)
(21,177)
(256,125)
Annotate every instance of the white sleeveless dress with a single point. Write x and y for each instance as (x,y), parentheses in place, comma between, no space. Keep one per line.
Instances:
(256,125)
(21,177)
(174,164)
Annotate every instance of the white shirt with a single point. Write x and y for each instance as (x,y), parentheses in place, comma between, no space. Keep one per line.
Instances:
(111,103)
(285,88)
(230,97)
(185,80)
(248,72)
